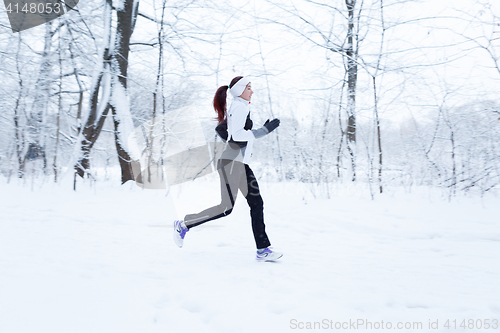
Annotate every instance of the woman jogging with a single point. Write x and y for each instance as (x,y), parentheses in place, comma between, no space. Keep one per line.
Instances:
(235,126)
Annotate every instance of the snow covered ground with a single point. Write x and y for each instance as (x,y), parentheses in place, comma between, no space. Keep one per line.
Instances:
(102,260)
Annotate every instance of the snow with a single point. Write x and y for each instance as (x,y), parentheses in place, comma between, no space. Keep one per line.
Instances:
(120,100)
(102,259)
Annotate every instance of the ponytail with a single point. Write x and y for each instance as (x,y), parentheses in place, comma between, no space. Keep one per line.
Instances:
(220,103)
(220,99)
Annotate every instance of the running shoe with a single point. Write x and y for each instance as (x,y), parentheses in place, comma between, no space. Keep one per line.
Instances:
(180,230)
(268,255)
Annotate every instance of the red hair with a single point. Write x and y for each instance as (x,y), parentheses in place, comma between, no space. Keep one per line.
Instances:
(220,99)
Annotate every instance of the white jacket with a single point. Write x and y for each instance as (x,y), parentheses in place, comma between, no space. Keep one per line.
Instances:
(236,119)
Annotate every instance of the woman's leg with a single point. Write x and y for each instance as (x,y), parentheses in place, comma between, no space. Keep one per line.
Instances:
(230,174)
(256,204)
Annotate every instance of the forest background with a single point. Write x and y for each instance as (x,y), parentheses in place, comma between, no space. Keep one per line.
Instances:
(384,93)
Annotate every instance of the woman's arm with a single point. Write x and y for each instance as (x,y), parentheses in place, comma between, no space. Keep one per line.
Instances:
(238,121)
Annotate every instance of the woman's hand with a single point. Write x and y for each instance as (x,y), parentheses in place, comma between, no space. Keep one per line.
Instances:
(248,123)
(222,131)
(271,125)
(267,128)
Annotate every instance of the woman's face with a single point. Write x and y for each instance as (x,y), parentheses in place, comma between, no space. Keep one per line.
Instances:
(247,93)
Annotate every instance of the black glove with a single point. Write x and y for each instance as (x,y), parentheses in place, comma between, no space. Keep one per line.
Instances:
(248,123)
(221,129)
(271,125)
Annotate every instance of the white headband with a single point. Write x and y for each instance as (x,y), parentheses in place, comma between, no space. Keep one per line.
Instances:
(239,87)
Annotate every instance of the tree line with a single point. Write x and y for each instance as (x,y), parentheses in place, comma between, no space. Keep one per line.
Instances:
(358,85)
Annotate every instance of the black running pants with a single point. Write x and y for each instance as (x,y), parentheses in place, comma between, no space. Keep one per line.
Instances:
(235,176)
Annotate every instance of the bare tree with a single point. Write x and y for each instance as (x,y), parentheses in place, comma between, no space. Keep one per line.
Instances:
(489,41)
(346,44)
(37,135)
(59,109)
(111,75)
(374,75)
(19,133)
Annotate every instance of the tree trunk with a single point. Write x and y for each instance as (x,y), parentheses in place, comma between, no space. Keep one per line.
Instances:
(80,85)
(97,109)
(379,139)
(17,125)
(352,77)
(122,118)
(123,156)
(59,107)
(112,75)
(36,120)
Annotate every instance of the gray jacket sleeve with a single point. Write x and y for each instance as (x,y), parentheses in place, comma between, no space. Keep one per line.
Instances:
(259,133)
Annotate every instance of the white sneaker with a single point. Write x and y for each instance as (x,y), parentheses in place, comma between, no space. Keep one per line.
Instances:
(268,255)
(180,230)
